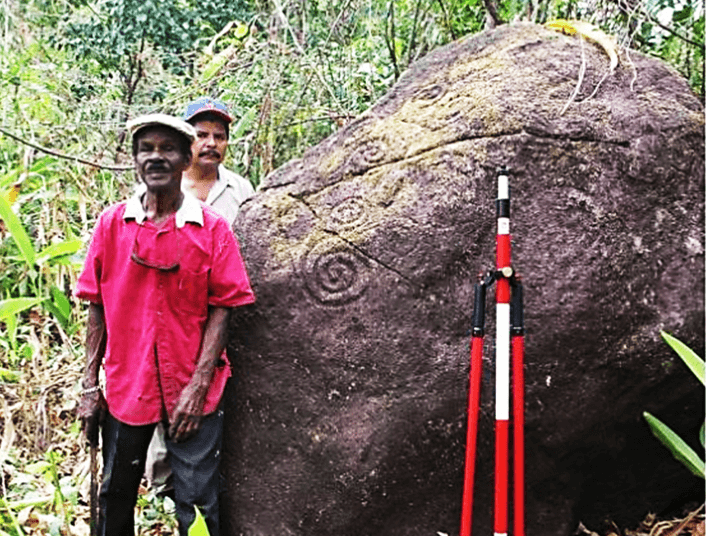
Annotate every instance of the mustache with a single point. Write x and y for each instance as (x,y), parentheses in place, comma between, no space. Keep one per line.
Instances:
(210,152)
(158,166)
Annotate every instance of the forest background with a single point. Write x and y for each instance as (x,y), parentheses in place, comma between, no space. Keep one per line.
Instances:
(293,72)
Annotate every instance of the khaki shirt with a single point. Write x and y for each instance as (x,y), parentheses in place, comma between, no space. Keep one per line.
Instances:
(228,193)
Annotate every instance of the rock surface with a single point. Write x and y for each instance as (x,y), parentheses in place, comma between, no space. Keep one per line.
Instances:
(347,415)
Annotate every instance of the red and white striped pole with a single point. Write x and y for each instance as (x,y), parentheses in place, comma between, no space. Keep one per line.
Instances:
(509,322)
(502,354)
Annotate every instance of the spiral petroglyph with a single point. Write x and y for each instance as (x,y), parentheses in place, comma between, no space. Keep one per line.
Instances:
(334,273)
(371,153)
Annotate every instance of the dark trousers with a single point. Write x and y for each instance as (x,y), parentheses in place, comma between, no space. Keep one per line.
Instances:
(195,466)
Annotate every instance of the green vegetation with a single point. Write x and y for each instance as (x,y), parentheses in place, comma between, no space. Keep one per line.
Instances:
(676,445)
(198,527)
(72,72)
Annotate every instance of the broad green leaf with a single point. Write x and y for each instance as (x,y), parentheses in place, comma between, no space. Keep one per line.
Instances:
(241,31)
(693,361)
(54,310)
(702,435)
(17,230)
(14,306)
(9,376)
(61,301)
(43,164)
(198,527)
(683,14)
(26,352)
(59,306)
(243,124)
(38,468)
(11,325)
(67,247)
(10,178)
(676,445)
(214,66)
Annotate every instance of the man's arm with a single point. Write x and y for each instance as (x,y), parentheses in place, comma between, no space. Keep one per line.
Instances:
(186,419)
(92,402)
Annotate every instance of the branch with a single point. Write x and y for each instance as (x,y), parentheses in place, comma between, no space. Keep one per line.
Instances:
(285,21)
(413,32)
(390,40)
(493,12)
(62,155)
(625,6)
(448,21)
(673,32)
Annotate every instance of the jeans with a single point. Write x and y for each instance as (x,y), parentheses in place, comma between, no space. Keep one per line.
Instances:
(195,466)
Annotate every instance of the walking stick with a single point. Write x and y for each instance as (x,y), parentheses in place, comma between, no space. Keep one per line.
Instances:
(509,316)
(93,523)
(94,490)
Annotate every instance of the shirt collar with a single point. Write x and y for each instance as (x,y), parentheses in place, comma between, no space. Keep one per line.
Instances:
(218,187)
(189,211)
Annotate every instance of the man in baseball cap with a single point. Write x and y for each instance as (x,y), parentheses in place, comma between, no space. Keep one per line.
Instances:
(207,179)
(161,275)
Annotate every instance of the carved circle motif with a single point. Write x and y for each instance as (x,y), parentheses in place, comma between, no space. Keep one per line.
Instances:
(372,152)
(431,92)
(334,273)
(349,212)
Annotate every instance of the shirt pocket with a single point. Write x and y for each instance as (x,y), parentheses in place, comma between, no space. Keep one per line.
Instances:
(192,292)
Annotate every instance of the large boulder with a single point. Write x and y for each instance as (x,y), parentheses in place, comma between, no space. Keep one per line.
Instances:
(347,412)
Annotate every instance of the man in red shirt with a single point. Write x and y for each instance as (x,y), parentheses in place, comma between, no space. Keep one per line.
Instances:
(223,190)
(161,275)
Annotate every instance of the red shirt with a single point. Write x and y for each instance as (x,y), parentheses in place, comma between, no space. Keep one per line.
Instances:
(155,319)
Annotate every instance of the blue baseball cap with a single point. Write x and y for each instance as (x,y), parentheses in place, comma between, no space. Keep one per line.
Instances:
(207,105)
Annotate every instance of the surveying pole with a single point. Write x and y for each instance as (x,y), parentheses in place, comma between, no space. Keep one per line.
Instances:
(509,341)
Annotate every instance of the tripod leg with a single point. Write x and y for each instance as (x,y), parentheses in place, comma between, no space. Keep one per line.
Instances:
(476,373)
(518,420)
(472,435)
(518,411)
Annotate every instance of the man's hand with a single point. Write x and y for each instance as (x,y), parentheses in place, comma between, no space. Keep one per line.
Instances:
(93,408)
(188,412)
(185,420)
(92,411)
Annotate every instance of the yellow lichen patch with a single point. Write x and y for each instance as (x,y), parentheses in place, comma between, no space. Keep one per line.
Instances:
(287,252)
(421,124)
(332,161)
(468,91)
(350,210)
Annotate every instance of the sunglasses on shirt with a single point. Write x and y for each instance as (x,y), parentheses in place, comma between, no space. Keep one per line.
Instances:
(142,261)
